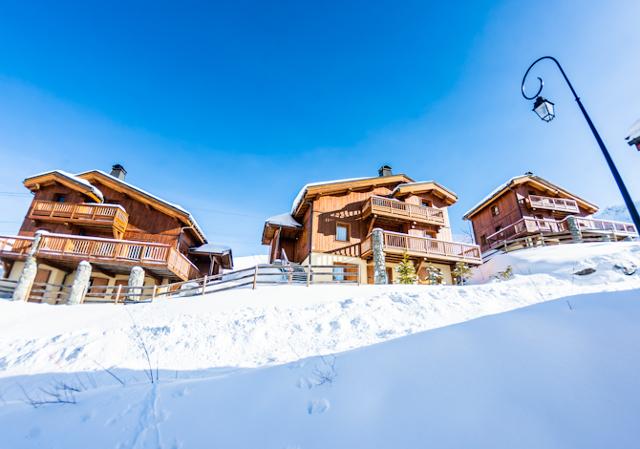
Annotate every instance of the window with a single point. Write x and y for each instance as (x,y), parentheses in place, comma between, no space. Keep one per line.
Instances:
(495,210)
(59,197)
(342,232)
(483,239)
(427,203)
(338,273)
(498,228)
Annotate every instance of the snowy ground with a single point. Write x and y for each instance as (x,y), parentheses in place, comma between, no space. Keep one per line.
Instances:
(559,374)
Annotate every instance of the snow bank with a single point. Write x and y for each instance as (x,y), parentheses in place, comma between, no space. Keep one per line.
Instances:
(557,375)
(270,325)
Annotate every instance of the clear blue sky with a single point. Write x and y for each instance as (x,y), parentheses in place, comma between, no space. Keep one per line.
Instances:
(228,108)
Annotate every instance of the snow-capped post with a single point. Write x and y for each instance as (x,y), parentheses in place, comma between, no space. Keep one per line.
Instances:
(136,281)
(80,283)
(379,265)
(574,228)
(29,271)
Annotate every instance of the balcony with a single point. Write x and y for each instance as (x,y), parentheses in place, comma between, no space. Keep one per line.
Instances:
(531,226)
(397,244)
(110,216)
(399,210)
(553,204)
(107,255)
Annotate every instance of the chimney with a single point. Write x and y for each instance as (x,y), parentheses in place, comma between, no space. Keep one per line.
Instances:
(119,172)
(385,170)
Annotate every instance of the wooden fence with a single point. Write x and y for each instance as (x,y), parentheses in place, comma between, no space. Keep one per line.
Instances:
(246,278)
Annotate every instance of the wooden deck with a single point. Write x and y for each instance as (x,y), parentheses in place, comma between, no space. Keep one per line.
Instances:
(397,244)
(108,255)
(395,209)
(553,204)
(111,216)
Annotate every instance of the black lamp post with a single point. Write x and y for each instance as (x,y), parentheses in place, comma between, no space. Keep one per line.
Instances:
(545,110)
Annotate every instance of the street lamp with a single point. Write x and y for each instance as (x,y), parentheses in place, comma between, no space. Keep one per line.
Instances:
(545,110)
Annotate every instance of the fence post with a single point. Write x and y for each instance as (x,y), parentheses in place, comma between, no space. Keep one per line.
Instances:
(118,293)
(153,292)
(358,274)
(308,275)
(204,283)
(255,277)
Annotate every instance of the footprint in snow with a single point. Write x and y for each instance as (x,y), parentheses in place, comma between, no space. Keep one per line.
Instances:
(304,383)
(318,406)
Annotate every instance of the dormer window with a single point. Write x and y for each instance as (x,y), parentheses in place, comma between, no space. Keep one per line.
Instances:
(59,198)
(495,210)
(427,203)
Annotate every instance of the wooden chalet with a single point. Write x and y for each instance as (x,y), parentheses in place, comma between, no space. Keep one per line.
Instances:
(331,222)
(529,205)
(112,224)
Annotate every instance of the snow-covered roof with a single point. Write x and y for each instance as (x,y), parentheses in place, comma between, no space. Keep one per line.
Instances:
(418,183)
(634,132)
(211,248)
(283,220)
(175,206)
(531,176)
(303,190)
(493,193)
(73,178)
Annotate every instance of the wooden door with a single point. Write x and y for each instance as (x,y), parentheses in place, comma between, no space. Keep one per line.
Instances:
(369,274)
(389,275)
(95,287)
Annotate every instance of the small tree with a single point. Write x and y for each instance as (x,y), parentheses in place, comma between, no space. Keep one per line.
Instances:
(434,275)
(506,274)
(406,271)
(461,273)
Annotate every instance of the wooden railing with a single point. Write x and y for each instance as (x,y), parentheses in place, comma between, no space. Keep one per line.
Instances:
(529,225)
(557,204)
(15,245)
(399,209)
(617,227)
(426,247)
(112,215)
(96,250)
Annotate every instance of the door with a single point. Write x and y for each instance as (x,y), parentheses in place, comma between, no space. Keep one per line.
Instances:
(96,287)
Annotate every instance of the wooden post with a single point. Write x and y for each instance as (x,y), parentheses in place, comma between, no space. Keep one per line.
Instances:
(255,277)
(308,275)
(358,274)
(154,291)
(204,283)
(118,293)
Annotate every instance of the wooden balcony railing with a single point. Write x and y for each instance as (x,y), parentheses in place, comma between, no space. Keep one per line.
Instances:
(83,214)
(555,204)
(109,251)
(528,225)
(399,209)
(398,243)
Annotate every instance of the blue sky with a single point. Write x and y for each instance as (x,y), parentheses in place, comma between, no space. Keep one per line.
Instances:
(228,108)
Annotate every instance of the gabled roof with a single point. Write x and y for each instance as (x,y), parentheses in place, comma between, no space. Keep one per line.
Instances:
(522,179)
(164,206)
(284,221)
(425,186)
(214,249)
(67,179)
(327,187)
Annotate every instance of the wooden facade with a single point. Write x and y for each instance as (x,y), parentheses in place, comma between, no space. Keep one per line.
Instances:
(332,222)
(100,218)
(529,205)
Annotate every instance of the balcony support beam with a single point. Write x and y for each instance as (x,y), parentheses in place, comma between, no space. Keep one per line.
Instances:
(136,282)
(29,271)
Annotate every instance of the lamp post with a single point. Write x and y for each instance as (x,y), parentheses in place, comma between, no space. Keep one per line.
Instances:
(545,110)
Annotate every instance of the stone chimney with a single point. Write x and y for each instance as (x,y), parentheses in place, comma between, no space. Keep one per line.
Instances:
(119,172)
(385,170)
